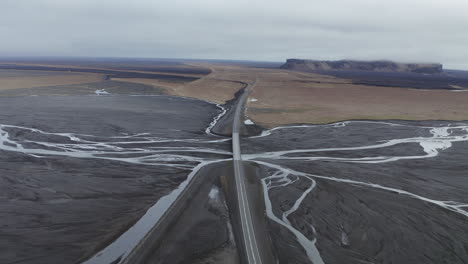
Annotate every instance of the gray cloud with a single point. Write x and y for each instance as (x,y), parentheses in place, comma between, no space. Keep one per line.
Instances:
(406,30)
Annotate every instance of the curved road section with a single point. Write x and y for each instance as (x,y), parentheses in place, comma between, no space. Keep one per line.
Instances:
(251,249)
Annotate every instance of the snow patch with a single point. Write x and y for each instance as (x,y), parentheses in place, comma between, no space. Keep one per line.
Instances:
(101,92)
(214,193)
(249,122)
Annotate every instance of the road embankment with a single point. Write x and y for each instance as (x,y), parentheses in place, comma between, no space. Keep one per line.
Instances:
(189,224)
(224,125)
(253,174)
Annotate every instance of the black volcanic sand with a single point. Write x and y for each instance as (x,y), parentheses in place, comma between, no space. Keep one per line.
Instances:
(356,224)
(110,115)
(57,209)
(110,73)
(402,79)
(131,64)
(203,232)
(361,224)
(111,87)
(357,133)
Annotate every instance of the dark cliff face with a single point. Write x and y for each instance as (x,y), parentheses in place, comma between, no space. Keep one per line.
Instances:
(348,65)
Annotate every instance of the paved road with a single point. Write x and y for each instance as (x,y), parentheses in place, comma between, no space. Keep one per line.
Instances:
(251,249)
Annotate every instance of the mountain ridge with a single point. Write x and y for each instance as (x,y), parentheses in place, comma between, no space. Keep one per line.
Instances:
(355,65)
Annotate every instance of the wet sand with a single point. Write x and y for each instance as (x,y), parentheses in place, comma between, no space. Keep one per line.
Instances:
(367,192)
(104,87)
(66,206)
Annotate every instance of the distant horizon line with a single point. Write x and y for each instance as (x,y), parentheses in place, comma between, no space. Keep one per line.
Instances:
(464,66)
(134,58)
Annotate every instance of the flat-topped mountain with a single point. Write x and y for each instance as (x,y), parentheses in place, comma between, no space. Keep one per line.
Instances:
(352,65)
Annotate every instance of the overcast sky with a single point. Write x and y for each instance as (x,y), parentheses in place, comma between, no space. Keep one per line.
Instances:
(270,30)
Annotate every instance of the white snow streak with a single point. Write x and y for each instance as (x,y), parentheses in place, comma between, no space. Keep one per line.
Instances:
(101,92)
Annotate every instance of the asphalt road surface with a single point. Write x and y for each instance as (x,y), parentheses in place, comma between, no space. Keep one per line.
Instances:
(251,248)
